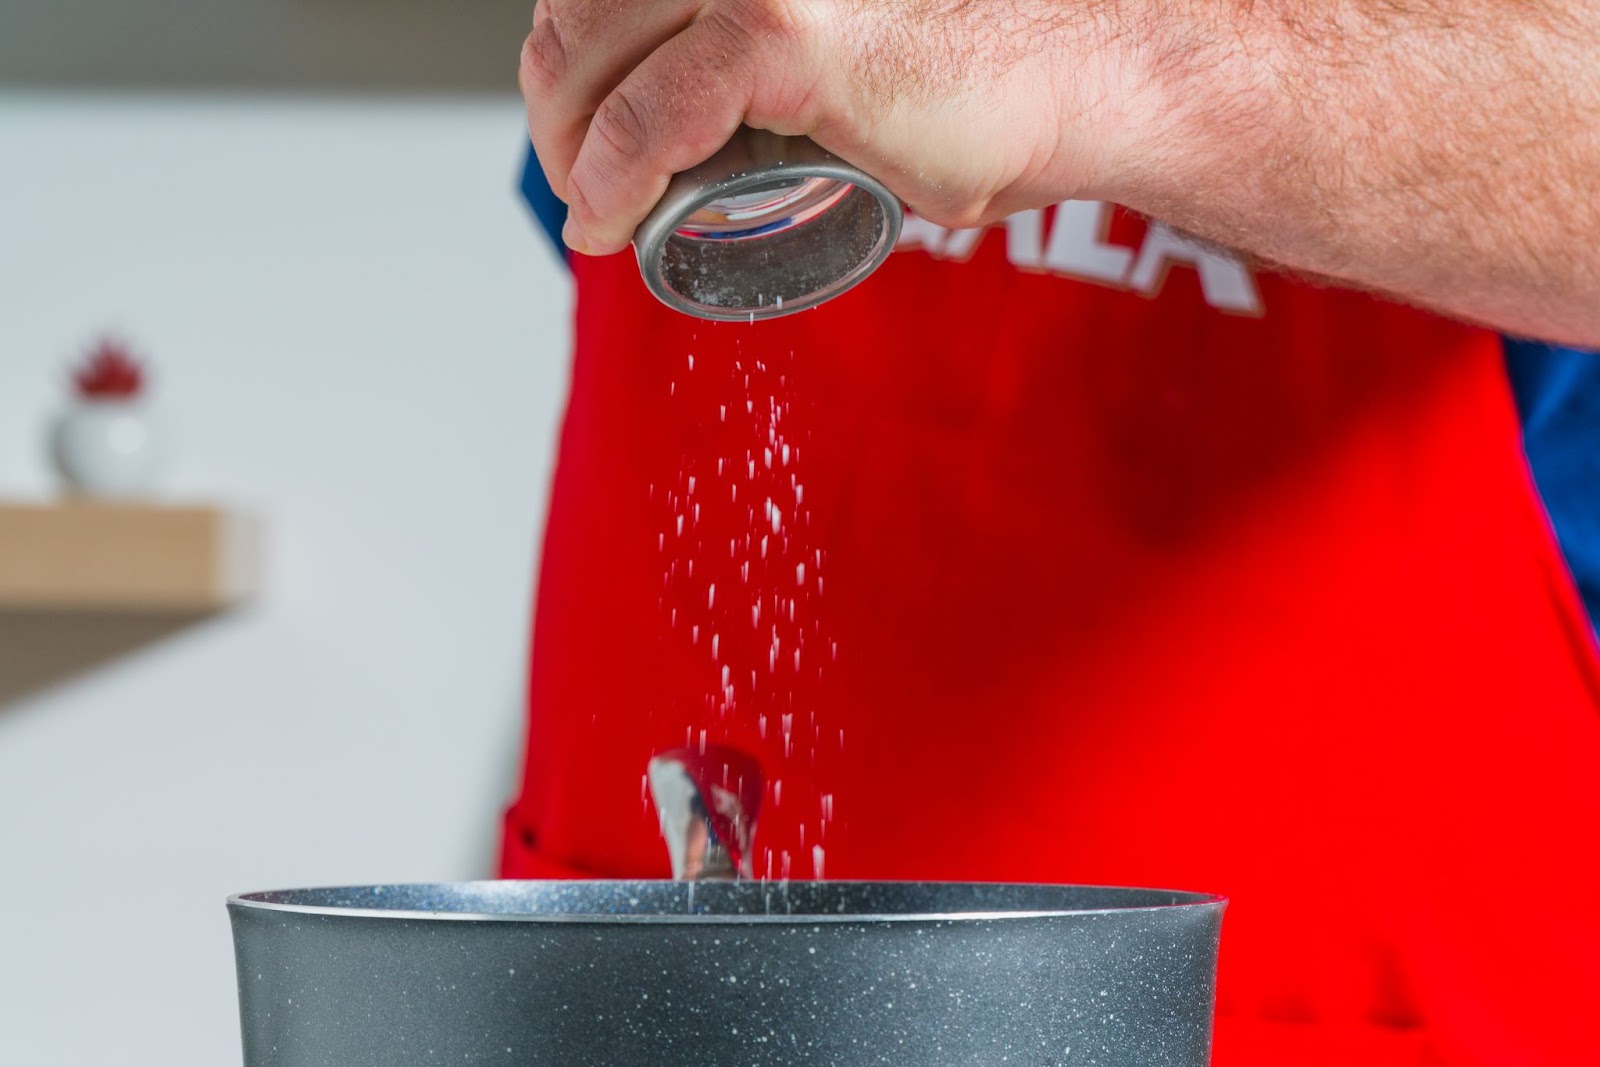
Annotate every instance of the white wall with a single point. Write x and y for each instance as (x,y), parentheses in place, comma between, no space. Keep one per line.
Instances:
(356,332)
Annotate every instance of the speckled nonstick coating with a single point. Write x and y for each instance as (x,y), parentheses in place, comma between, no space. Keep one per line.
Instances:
(631,974)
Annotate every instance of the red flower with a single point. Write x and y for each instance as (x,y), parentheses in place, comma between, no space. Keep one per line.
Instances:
(110,373)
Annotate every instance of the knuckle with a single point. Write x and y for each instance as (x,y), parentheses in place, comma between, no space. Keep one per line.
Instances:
(763,23)
(621,124)
(544,57)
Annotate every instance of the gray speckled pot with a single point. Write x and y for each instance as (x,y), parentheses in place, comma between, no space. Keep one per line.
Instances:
(751,974)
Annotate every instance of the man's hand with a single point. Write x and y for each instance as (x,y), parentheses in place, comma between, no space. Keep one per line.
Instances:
(1443,151)
(968,110)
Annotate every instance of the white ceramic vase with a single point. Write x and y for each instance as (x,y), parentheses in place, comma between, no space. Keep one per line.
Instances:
(106,449)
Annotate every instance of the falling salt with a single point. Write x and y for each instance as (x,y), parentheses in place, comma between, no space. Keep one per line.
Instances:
(763,546)
(799,574)
(725,675)
(716,640)
(691,483)
(691,361)
(680,525)
(816,862)
(777,520)
(694,635)
(724,419)
(768,458)
(785,455)
(711,595)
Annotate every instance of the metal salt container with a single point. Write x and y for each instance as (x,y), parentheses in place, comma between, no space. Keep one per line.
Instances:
(768,226)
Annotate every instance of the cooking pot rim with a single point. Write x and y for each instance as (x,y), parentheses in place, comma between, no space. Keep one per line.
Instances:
(269,900)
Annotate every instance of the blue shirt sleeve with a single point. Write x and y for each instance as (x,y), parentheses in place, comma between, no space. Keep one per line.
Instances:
(1557,391)
(550,212)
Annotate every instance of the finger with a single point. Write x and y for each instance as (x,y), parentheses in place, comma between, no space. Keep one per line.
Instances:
(555,137)
(577,53)
(673,111)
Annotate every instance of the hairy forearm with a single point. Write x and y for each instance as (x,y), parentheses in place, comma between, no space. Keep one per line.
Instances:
(1446,153)
(1443,151)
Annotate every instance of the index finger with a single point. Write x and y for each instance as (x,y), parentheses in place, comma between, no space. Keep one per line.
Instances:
(575,54)
(673,111)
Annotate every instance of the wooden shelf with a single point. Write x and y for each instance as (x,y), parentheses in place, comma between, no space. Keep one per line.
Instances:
(87,557)
(369,46)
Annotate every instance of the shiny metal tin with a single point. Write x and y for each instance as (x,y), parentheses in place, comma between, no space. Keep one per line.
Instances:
(755,974)
(697,258)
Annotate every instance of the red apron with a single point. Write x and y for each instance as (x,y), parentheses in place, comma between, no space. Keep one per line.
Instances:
(1109,562)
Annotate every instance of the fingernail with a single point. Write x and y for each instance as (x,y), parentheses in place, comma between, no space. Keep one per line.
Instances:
(573,237)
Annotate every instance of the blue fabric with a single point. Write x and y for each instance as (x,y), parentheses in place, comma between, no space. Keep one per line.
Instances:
(551,212)
(1558,396)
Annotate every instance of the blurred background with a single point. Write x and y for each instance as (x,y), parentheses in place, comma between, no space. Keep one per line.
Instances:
(276,636)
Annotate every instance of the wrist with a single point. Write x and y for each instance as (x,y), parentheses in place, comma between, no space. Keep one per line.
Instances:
(1183,114)
(1119,104)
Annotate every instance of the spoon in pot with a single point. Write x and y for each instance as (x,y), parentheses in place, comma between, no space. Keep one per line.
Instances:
(707,799)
